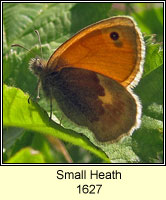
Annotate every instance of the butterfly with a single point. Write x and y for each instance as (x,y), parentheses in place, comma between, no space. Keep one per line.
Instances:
(92,74)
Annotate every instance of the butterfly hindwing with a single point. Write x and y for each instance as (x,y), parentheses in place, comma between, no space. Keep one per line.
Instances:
(95,101)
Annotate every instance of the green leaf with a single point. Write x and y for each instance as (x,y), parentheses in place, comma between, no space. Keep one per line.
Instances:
(19,113)
(27,155)
(148,142)
(154,58)
(85,14)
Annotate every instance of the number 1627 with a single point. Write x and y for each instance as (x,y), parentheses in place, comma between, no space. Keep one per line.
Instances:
(89,189)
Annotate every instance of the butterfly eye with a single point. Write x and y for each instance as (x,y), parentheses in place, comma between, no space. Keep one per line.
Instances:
(114,36)
(38,62)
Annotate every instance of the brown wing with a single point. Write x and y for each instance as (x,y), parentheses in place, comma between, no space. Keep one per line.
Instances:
(97,102)
(95,49)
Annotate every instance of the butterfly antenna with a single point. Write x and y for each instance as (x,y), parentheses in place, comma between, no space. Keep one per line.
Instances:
(18,45)
(38,35)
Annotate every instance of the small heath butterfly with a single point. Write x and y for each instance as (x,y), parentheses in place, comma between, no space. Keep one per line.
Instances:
(92,74)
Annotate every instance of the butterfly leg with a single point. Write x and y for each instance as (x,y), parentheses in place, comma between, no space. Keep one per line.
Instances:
(60,120)
(51,106)
(38,91)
